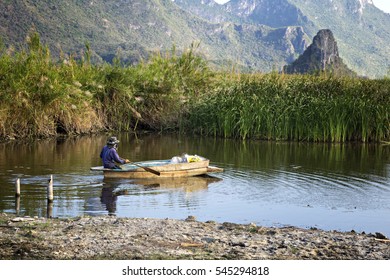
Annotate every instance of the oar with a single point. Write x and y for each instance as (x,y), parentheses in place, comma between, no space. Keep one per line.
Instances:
(146,168)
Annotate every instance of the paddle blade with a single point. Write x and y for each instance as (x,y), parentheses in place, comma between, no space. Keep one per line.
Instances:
(151,170)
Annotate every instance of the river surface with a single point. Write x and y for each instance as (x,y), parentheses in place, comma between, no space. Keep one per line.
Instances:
(326,186)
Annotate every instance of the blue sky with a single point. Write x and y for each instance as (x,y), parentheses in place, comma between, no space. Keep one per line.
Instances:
(381,4)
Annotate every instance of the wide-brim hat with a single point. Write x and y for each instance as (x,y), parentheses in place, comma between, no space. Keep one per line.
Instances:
(112,141)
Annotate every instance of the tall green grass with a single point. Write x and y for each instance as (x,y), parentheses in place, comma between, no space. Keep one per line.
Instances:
(298,108)
(42,97)
(167,83)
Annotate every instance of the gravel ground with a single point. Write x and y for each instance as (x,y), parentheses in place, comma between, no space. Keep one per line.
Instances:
(112,238)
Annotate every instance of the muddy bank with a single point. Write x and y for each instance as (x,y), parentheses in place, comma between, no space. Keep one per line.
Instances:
(128,238)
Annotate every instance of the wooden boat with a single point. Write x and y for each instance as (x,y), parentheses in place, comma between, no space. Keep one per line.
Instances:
(165,168)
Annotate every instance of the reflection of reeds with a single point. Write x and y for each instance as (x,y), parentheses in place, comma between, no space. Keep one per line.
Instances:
(301,108)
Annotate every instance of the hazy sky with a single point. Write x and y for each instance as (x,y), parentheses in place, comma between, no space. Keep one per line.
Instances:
(381,4)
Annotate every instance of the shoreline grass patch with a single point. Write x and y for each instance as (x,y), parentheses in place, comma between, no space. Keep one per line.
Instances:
(295,108)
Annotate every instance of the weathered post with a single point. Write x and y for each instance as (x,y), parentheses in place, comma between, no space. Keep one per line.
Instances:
(17,187)
(17,205)
(49,212)
(50,196)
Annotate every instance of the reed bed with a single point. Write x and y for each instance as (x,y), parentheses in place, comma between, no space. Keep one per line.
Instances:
(42,97)
(295,108)
(167,83)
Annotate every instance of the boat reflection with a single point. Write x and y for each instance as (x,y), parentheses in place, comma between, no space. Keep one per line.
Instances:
(187,184)
(119,187)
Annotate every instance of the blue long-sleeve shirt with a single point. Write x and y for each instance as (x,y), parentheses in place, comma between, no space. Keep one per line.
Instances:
(110,156)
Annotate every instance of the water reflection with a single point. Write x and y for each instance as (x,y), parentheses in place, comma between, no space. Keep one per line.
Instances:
(331,186)
(108,198)
(112,188)
(49,213)
(17,205)
(186,184)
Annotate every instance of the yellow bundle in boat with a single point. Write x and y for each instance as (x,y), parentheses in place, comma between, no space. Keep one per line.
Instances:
(194,158)
(186,158)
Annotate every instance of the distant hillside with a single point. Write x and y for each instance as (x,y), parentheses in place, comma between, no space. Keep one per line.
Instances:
(361,30)
(136,28)
(252,35)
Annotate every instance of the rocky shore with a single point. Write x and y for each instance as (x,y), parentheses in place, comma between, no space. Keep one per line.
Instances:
(113,238)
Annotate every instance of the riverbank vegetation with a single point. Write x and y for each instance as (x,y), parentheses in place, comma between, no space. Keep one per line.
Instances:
(296,107)
(42,97)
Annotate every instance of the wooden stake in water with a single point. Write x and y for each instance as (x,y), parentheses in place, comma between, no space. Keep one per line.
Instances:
(49,212)
(17,205)
(50,196)
(17,187)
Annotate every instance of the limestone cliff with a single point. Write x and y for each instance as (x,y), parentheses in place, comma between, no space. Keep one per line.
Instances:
(321,56)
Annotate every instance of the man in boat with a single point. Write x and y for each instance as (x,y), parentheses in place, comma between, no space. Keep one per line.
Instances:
(110,156)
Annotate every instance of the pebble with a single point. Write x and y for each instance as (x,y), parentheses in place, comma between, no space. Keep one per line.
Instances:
(20,219)
(88,238)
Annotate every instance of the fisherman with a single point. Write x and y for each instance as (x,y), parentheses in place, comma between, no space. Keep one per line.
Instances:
(110,156)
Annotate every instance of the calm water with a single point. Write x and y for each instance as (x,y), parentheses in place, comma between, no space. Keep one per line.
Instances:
(341,187)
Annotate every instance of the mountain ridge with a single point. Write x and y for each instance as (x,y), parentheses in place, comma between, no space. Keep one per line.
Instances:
(361,29)
(229,34)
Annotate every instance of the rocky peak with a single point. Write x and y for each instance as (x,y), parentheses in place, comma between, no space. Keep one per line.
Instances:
(274,13)
(321,56)
(324,48)
(350,7)
(358,6)
(297,39)
(363,3)
(242,8)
